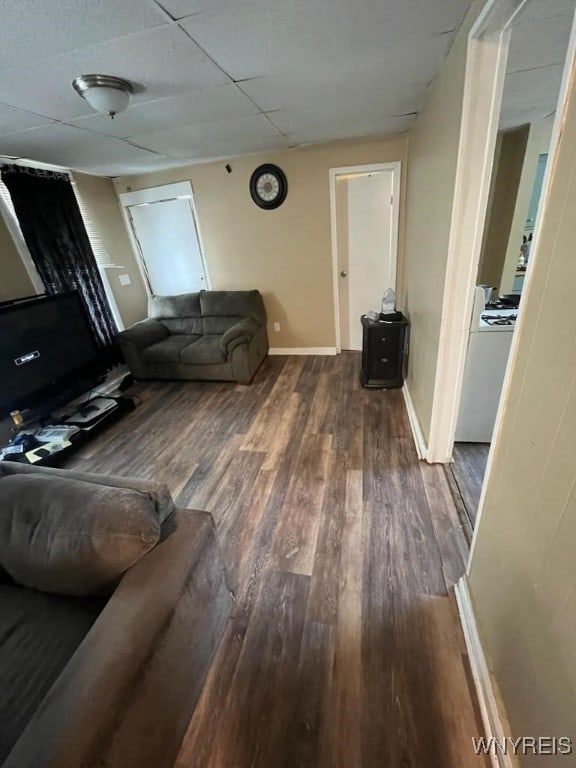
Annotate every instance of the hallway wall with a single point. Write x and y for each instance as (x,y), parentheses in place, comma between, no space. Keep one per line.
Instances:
(522,576)
(432,152)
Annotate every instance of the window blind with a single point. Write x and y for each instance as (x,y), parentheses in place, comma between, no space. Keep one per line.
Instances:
(103,258)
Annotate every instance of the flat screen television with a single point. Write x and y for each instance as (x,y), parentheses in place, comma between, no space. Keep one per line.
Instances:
(47,348)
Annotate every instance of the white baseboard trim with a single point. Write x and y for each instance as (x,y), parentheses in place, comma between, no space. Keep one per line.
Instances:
(419,441)
(302,351)
(491,708)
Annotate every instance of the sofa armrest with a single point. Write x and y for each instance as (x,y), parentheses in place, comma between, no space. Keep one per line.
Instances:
(127,695)
(239,333)
(144,333)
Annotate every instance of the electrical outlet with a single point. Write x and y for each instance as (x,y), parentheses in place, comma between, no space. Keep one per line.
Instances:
(124,279)
(276,326)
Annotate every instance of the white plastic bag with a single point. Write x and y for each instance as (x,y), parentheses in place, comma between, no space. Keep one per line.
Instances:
(389,302)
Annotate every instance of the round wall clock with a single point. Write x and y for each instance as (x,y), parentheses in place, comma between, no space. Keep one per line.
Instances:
(268,186)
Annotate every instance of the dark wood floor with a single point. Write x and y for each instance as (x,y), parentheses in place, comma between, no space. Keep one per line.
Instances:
(344,650)
(469,468)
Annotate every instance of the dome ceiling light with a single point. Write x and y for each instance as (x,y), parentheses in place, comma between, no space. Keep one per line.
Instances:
(105,94)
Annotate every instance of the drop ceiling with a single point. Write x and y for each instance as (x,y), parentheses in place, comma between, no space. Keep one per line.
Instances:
(214,78)
(218,78)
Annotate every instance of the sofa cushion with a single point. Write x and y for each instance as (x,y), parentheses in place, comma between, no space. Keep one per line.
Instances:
(207,350)
(220,323)
(72,537)
(236,304)
(183,305)
(39,633)
(187,325)
(179,314)
(168,350)
(158,493)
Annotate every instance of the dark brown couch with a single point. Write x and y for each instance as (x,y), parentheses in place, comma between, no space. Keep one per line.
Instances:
(112,682)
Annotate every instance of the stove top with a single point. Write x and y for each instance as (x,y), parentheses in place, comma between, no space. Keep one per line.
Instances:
(491,318)
(500,305)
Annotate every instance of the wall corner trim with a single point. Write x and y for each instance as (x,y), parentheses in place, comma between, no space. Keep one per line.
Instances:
(491,706)
(417,434)
(302,351)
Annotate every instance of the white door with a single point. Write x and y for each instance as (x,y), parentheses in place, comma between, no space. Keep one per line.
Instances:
(366,229)
(165,233)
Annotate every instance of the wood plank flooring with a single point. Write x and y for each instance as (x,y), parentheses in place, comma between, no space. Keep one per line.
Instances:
(344,650)
(469,468)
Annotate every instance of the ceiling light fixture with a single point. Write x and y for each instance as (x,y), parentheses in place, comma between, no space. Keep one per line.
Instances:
(106,94)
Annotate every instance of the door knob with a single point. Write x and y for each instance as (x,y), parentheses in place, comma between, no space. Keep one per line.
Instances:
(343,273)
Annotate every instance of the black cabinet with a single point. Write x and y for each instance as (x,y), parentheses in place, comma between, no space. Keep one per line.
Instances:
(384,352)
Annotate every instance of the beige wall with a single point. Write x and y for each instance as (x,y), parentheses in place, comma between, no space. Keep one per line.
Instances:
(507,170)
(433,150)
(538,143)
(99,197)
(523,575)
(14,280)
(286,253)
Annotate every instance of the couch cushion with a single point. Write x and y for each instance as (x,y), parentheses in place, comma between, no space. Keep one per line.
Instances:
(183,305)
(187,325)
(179,314)
(39,633)
(220,323)
(237,304)
(72,537)
(207,350)
(158,493)
(168,350)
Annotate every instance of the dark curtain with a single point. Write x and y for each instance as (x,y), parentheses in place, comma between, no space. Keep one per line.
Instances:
(52,226)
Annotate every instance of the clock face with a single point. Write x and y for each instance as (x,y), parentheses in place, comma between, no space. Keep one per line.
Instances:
(268,186)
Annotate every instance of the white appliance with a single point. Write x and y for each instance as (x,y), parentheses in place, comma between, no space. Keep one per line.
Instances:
(489,344)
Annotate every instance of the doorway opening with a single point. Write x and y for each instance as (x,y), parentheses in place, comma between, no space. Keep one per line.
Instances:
(364,205)
(163,227)
(520,56)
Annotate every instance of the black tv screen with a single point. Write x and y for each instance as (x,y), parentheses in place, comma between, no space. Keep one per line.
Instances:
(45,344)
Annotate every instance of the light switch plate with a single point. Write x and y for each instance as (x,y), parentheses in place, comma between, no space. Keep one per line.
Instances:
(124,279)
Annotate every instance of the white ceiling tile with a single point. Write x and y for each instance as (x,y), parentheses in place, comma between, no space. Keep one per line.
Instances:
(163,61)
(68,146)
(544,9)
(260,37)
(306,130)
(530,95)
(190,109)
(12,119)
(178,9)
(539,43)
(444,13)
(217,139)
(33,30)
(402,90)
(135,165)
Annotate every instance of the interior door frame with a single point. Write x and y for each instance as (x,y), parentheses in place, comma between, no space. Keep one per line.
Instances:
(396,169)
(160,194)
(488,43)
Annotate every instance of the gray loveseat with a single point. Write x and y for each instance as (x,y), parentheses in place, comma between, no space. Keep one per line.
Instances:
(211,335)
(109,680)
